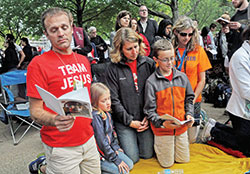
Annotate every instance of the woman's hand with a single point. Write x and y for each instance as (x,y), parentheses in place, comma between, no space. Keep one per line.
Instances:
(140,126)
(123,167)
(190,124)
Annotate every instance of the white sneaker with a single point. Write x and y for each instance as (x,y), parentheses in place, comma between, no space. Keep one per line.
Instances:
(212,121)
(205,134)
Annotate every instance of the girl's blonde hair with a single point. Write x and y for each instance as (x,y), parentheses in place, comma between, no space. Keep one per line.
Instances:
(122,35)
(184,23)
(96,90)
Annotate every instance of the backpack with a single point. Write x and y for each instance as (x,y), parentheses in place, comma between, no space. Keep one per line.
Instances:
(222,94)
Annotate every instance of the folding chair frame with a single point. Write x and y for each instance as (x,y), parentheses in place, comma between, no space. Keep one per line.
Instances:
(14,129)
(10,115)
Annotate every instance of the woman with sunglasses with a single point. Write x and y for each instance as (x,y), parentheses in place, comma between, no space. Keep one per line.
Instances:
(193,61)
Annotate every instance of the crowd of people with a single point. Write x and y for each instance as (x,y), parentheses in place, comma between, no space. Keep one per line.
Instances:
(152,71)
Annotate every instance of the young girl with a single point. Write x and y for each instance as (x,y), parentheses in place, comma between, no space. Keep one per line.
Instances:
(113,160)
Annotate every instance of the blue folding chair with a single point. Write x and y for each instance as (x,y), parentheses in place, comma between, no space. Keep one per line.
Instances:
(15,111)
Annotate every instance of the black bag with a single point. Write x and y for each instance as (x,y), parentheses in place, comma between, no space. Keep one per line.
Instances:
(98,71)
(221,95)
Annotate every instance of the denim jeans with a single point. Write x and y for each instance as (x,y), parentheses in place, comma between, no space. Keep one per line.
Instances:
(110,167)
(135,144)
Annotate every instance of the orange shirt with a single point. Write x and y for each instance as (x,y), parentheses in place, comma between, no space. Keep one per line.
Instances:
(196,62)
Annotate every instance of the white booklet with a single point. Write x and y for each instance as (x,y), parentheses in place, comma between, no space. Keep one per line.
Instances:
(75,103)
(176,121)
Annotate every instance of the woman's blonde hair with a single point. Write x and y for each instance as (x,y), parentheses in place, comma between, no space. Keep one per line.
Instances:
(96,91)
(122,35)
(184,23)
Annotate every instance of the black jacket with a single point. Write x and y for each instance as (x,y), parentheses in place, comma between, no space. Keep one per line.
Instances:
(234,38)
(99,42)
(11,60)
(151,30)
(127,102)
(28,53)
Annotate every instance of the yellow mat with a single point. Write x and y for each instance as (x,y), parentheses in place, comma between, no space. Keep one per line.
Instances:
(204,159)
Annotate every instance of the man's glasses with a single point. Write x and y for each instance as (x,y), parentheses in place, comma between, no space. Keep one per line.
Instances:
(167,59)
(186,34)
(143,10)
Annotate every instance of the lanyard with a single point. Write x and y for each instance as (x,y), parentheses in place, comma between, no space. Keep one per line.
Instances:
(181,58)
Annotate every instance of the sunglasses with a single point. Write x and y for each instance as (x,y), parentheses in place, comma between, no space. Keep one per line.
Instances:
(185,34)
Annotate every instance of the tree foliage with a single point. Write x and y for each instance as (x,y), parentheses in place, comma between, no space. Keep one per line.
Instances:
(22,17)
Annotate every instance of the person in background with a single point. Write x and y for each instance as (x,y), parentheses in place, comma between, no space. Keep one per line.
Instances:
(207,42)
(126,77)
(18,49)
(100,44)
(168,91)
(123,19)
(148,27)
(237,24)
(27,51)
(68,141)
(164,30)
(212,29)
(193,61)
(236,137)
(222,46)
(199,33)
(113,159)
(134,27)
(10,60)
(35,52)
(80,41)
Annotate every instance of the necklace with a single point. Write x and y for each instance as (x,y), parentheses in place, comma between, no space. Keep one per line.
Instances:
(62,60)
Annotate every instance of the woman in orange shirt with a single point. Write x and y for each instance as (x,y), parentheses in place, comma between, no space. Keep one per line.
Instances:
(193,61)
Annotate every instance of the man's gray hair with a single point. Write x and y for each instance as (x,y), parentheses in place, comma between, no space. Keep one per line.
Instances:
(91,29)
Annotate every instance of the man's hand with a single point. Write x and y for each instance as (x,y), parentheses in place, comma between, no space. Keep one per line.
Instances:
(234,25)
(64,123)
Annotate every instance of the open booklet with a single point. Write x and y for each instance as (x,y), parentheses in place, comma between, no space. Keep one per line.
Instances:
(176,121)
(75,103)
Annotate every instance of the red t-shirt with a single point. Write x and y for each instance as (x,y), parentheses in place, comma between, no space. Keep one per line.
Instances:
(170,77)
(133,67)
(57,76)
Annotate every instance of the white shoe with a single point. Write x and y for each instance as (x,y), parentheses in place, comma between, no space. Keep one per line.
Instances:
(205,134)
(212,121)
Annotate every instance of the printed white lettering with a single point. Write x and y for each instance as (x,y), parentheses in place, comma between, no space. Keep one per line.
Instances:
(69,69)
(62,69)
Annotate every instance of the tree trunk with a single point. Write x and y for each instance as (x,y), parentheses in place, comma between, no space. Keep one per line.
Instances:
(174,9)
(79,11)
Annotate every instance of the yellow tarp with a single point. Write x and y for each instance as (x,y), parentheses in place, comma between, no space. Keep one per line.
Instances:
(204,159)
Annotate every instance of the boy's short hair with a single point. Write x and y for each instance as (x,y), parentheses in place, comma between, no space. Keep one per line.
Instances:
(161,45)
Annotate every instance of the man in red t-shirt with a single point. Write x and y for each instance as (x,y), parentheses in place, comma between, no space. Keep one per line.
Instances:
(68,141)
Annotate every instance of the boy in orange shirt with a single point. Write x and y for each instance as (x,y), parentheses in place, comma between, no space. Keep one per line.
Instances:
(168,91)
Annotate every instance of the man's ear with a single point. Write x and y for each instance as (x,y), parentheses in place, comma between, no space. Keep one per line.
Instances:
(45,33)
